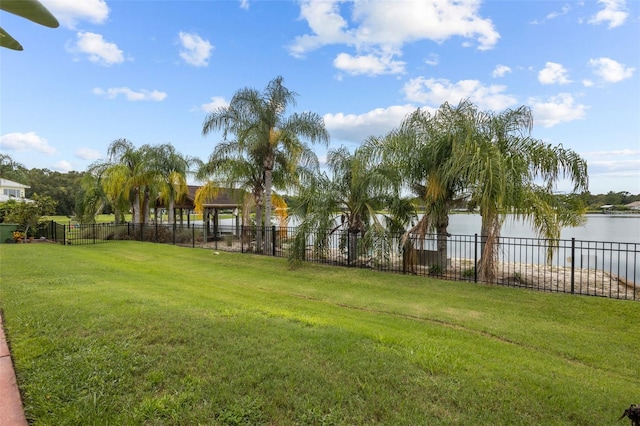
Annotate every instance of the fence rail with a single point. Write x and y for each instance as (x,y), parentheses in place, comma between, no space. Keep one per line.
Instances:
(596,268)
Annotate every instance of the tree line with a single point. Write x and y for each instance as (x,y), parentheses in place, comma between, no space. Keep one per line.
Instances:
(406,181)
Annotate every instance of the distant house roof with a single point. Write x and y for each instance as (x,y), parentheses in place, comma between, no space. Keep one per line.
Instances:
(9,189)
(635,205)
(6,183)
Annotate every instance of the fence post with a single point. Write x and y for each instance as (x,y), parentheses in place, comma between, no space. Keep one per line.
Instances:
(475,258)
(273,240)
(94,232)
(242,238)
(573,264)
(193,237)
(404,258)
(174,233)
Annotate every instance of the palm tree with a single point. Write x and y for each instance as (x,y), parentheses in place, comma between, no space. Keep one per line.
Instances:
(128,177)
(91,199)
(361,198)
(509,172)
(170,168)
(421,149)
(461,153)
(32,10)
(229,165)
(263,133)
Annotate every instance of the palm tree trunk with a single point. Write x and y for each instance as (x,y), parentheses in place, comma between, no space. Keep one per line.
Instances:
(441,243)
(145,205)
(267,203)
(136,206)
(489,243)
(259,224)
(172,214)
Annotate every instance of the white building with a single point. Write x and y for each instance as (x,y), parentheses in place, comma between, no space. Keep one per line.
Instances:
(10,190)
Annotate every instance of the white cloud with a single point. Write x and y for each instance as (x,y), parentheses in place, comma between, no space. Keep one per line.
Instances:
(98,50)
(358,127)
(368,64)
(195,50)
(613,13)
(62,166)
(432,59)
(131,95)
(563,11)
(611,71)
(618,163)
(216,102)
(558,109)
(435,92)
(501,70)
(373,26)
(244,4)
(69,12)
(87,154)
(327,26)
(29,141)
(553,73)
(587,83)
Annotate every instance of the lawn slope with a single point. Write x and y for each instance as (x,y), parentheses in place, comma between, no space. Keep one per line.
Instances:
(137,333)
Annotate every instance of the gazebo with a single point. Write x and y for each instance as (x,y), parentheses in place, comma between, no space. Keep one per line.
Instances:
(228,199)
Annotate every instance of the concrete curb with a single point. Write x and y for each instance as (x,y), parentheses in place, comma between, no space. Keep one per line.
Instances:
(11,410)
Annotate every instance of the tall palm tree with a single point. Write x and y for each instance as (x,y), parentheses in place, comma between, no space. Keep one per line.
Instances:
(508,172)
(360,197)
(232,167)
(263,132)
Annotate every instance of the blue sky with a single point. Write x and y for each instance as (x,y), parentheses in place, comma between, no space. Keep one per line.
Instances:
(149,71)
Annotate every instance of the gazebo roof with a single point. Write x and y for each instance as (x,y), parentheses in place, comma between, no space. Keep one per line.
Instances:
(228,198)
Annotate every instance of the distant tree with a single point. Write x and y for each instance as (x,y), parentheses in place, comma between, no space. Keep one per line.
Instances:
(12,170)
(27,214)
(61,187)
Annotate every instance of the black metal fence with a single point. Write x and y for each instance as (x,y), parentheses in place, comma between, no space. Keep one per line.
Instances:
(596,268)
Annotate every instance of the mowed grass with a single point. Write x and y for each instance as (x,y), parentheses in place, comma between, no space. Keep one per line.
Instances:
(139,333)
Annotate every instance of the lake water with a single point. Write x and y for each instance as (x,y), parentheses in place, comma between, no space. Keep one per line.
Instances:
(599,227)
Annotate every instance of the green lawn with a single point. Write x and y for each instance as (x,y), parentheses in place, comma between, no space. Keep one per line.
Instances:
(139,333)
